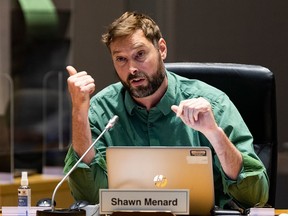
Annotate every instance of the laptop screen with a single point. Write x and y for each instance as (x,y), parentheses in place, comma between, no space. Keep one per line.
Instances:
(164,167)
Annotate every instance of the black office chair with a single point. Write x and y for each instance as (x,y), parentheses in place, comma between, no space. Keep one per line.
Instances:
(252,90)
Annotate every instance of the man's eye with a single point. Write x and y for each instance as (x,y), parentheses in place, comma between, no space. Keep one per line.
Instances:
(120,59)
(140,55)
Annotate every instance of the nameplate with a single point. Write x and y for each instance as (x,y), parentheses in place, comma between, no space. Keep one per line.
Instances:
(164,200)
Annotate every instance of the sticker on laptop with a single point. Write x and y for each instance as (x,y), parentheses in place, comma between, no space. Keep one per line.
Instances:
(197,157)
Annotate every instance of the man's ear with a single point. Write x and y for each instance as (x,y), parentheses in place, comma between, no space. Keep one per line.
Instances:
(162,48)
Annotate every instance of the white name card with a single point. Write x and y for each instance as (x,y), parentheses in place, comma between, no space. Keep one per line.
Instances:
(175,201)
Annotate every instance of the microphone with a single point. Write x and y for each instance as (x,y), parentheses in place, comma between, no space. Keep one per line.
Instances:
(109,125)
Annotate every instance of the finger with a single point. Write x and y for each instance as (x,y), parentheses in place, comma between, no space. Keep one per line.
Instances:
(174,108)
(82,79)
(90,88)
(191,115)
(201,112)
(71,70)
(188,115)
(177,110)
(188,111)
(180,110)
(198,106)
(195,116)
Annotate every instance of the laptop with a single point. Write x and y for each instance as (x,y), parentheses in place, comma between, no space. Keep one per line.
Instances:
(181,167)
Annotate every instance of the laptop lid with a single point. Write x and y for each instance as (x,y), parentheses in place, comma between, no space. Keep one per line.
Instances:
(181,167)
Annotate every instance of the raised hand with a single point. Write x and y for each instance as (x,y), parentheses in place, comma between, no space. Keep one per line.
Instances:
(81,85)
(197,114)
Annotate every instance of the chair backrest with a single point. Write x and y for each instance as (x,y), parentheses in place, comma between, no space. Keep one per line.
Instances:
(252,89)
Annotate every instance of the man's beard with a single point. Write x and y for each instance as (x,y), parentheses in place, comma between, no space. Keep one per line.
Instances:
(154,82)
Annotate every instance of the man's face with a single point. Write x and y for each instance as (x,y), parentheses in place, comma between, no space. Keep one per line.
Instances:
(138,63)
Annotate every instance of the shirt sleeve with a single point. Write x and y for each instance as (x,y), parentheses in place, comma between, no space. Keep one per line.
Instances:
(85,181)
(251,188)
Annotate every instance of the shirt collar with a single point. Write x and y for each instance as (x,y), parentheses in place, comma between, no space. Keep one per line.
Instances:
(164,104)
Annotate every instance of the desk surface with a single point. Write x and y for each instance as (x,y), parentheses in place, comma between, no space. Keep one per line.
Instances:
(277,211)
(42,186)
(280,211)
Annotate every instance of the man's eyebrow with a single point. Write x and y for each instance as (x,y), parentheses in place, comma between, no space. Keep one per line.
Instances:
(115,52)
(135,46)
(138,45)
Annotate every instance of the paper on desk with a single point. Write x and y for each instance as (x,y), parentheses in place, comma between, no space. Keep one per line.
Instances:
(21,211)
(91,210)
(261,211)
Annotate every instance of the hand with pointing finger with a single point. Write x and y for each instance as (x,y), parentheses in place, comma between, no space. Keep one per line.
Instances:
(196,113)
(81,86)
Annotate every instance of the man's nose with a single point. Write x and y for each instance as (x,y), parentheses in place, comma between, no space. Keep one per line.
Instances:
(132,68)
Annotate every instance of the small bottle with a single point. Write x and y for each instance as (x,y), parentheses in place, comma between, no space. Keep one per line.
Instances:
(24,191)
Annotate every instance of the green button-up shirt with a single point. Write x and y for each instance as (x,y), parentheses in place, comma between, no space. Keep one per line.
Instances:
(160,127)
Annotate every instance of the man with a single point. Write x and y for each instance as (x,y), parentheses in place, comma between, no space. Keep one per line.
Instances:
(157,107)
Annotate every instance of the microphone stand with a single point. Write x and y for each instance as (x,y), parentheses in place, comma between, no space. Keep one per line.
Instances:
(110,124)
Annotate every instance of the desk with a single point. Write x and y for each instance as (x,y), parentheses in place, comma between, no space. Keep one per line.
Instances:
(279,211)
(41,187)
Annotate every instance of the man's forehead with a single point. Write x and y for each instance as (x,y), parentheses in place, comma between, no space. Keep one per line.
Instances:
(131,42)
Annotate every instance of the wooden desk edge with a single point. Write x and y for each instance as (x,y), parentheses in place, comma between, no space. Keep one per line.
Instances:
(280,211)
